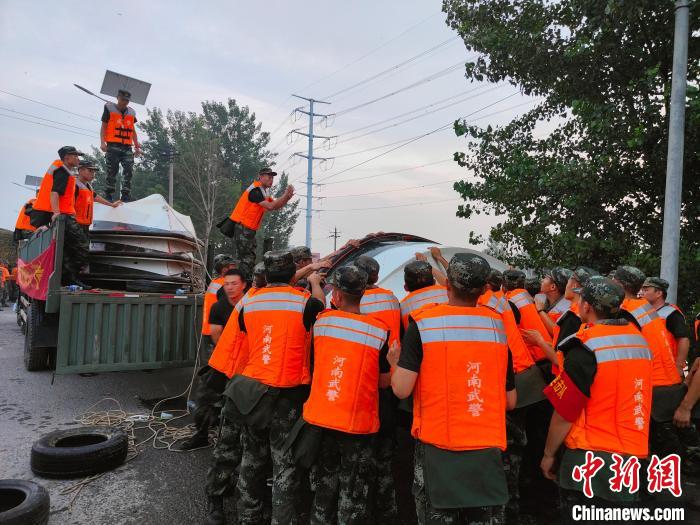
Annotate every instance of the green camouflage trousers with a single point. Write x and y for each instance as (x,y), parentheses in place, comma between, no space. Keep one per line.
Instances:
(222,476)
(119,154)
(344,470)
(512,458)
(383,490)
(76,249)
(428,515)
(259,446)
(246,245)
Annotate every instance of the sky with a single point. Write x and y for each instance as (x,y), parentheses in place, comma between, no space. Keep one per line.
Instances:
(260,53)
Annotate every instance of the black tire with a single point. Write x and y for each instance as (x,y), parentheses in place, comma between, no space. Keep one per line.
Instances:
(35,357)
(79,452)
(23,503)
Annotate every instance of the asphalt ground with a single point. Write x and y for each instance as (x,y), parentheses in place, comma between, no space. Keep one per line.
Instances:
(160,486)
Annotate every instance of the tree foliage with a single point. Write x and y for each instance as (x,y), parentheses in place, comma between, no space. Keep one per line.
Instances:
(591,191)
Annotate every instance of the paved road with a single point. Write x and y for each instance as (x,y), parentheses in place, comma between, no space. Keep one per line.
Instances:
(158,487)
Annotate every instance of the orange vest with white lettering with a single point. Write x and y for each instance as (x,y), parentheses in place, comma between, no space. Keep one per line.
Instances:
(459,401)
(250,214)
(120,127)
(230,354)
(382,304)
(23,219)
(345,386)
(278,349)
(616,416)
(84,203)
(522,359)
(209,300)
(664,312)
(529,319)
(653,328)
(423,297)
(66,202)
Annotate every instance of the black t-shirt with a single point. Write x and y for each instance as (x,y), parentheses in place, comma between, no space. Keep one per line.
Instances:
(516,312)
(256,195)
(220,312)
(675,323)
(412,354)
(569,323)
(105,114)
(60,180)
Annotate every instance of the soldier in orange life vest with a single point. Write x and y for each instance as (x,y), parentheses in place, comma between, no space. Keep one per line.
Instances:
(245,219)
(553,287)
(23,226)
(222,264)
(267,396)
(349,368)
(56,198)
(654,290)
(4,282)
(85,196)
(602,398)
(118,135)
(419,282)
(454,358)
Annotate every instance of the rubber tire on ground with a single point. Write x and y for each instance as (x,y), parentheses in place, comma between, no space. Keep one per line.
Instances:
(85,451)
(23,503)
(35,358)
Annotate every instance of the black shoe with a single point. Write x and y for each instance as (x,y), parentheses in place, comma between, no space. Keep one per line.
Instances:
(126,198)
(200,439)
(215,511)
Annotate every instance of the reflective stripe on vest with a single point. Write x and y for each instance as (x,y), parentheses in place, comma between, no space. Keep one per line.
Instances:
(417,299)
(560,307)
(209,299)
(667,310)
(120,127)
(383,305)
(644,314)
(616,415)
(378,303)
(84,203)
(521,299)
(250,214)
(345,386)
(462,328)
(275,302)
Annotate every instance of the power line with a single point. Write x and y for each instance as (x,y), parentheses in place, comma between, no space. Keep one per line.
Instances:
(48,125)
(92,119)
(386,173)
(389,191)
(443,201)
(393,68)
(45,119)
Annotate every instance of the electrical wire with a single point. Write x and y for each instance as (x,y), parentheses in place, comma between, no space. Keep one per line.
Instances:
(46,119)
(48,125)
(388,191)
(402,170)
(92,119)
(391,206)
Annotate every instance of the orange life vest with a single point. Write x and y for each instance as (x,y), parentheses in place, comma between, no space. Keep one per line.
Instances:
(696,325)
(209,300)
(428,296)
(120,127)
(84,203)
(23,219)
(13,274)
(66,202)
(230,354)
(459,401)
(5,274)
(666,310)
(278,349)
(382,304)
(664,364)
(345,386)
(250,214)
(529,319)
(616,416)
(558,309)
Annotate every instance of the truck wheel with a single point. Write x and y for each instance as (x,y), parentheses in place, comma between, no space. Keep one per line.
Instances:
(35,358)
(23,503)
(78,452)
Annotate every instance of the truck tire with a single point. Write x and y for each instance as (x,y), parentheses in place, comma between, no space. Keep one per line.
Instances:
(23,503)
(35,358)
(79,452)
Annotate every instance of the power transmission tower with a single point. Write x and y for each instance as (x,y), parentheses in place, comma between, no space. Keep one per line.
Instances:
(335,234)
(310,158)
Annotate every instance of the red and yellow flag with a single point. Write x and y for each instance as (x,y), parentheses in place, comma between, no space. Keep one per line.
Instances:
(33,277)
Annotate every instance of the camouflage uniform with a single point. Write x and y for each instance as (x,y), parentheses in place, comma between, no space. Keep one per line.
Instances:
(119,154)
(383,491)
(76,249)
(512,459)
(246,245)
(343,479)
(222,476)
(428,515)
(259,446)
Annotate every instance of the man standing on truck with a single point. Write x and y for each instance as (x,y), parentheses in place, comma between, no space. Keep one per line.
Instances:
(56,198)
(117,135)
(245,219)
(85,196)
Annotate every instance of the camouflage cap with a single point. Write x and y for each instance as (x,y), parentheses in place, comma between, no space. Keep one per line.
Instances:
(278,261)
(224,259)
(369,265)
(656,282)
(630,276)
(123,93)
(259,269)
(89,164)
(560,276)
(533,285)
(468,270)
(350,280)
(495,278)
(581,276)
(299,253)
(514,278)
(603,293)
(419,272)
(267,171)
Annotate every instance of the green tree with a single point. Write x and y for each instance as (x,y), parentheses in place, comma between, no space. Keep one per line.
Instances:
(591,192)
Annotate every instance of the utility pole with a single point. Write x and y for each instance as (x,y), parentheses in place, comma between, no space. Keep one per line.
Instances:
(310,158)
(670,245)
(335,234)
(170,155)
